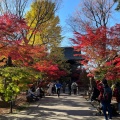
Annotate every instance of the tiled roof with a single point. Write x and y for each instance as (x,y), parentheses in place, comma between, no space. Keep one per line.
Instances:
(70,53)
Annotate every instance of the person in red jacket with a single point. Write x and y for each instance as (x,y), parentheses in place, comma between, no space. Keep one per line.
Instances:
(101,89)
(116,94)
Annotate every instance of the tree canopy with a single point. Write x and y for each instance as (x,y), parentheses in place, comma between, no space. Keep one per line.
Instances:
(25,46)
(95,38)
(95,54)
(44,25)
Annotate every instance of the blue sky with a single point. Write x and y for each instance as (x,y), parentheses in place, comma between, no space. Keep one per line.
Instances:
(66,10)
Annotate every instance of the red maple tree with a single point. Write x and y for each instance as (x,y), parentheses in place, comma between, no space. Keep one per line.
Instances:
(98,46)
(14,43)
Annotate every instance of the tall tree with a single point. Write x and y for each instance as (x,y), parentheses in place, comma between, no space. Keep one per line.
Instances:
(92,47)
(93,13)
(45,29)
(14,33)
(44,25)
(25,57)
(93,38)
(41,15)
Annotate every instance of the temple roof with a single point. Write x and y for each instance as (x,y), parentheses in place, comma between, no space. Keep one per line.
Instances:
(70,53)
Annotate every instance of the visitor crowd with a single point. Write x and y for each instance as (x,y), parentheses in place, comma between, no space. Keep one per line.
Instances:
(37,91)
(101,92)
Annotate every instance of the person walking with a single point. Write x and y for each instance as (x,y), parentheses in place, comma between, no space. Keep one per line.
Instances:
(105,99)
(58,87)
(50,86)
(74,87)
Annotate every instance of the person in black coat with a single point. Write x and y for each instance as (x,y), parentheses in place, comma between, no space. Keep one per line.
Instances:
(95,92)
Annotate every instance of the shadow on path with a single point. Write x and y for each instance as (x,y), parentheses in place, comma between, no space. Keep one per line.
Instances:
(54,108)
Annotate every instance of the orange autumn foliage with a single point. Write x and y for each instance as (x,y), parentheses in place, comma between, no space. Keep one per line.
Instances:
(14,43)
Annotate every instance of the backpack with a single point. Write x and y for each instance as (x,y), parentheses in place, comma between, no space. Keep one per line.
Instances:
(107,95)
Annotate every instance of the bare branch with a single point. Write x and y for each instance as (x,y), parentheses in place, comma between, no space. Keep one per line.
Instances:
(95,12)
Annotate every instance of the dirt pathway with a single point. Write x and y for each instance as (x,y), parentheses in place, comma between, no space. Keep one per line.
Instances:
(54,108)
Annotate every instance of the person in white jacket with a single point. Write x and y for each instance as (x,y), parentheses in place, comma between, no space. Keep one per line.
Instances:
(50,86)
(31,95)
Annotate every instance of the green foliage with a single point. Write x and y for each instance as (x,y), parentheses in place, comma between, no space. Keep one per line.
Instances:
(101,72)
(14,79)
(11,92)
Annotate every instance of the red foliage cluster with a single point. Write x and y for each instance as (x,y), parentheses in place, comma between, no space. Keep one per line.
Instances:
(14,43)
(98,44)
(12,28)
(51,70)
(114,72)
(90,75)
